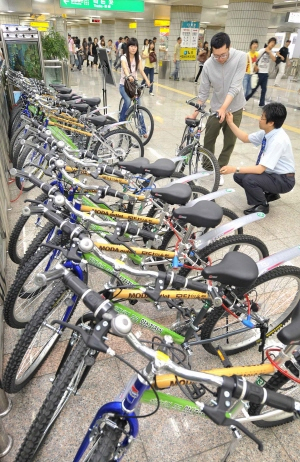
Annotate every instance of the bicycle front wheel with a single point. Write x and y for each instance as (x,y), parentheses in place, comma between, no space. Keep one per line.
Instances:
(119,145)
(198,159)
(273,296)
(141,122)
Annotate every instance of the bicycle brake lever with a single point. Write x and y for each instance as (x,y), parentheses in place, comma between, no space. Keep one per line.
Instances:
(33,201)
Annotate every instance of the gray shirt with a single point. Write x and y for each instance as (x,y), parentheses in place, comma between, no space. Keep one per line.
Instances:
(225,79)
(278,154)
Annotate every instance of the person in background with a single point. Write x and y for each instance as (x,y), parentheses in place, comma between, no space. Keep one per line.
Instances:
(124,45)
(94,51)
(251,67)
(71,48)
(78,55)
(154,41)
(224,72)
(109,49)
(118,42)
(102,43)
(130,64)
(85,48)
(176,59)
(203,54)
(149,67)
(90,41)
(282,60)
(265,56)
(102,38)
(144,52)
(274,171)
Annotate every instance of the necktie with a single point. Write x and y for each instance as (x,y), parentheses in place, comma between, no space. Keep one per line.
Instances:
(263,146)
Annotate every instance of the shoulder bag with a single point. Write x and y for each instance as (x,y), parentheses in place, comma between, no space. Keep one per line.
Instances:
(152,57)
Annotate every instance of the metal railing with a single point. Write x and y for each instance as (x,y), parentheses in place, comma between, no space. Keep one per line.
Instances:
(56,71)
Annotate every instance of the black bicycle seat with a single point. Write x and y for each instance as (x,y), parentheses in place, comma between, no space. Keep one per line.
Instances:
(236,269)
(98,121)
(291,333)
(161,168)
(68,97)
(91,101)
(175,194)
(192,122)
(205,214)
(134,166)
(78,106)
(64,91)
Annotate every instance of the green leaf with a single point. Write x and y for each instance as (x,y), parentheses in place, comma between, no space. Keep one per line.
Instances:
(54,45)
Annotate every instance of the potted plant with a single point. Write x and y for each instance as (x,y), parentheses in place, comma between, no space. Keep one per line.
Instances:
(54,45)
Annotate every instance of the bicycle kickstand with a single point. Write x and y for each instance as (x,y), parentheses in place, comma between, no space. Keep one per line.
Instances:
(236,437)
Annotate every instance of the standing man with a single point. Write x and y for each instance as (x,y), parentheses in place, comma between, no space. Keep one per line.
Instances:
(282,60)
(124,45)
(71,47)
(118,42)
(176,59)
(274,172)
(224,71)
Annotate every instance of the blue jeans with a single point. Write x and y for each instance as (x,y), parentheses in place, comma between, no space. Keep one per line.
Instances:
(262,82)
(247,84)
(149,71)
(175,73)
(126,106)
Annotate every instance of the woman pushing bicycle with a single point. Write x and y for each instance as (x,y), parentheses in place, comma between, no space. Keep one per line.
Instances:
(130,63)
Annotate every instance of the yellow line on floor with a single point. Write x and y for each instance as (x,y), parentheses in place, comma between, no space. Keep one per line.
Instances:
(283,89)
(247,114)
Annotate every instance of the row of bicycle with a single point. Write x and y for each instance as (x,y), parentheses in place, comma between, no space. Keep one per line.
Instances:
(176,265)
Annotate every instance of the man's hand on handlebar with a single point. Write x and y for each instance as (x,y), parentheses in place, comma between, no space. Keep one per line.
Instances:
(222,114)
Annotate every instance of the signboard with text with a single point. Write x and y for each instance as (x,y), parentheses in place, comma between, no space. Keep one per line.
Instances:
(136,6)
(189,33)
(188,54)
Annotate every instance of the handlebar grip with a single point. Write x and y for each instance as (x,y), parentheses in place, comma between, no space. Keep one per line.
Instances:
(92,156)
(134,230)
(111,170)
(114,193)
(260,395)
(180,281)
(54,217)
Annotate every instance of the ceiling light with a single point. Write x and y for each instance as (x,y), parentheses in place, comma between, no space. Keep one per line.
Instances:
(10,11)
(138,18)
(205,22)
(225,6)
(45,13)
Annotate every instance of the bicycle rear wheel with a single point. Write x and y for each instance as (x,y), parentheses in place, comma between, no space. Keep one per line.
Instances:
(119,145)
(28,156)
(273,296)
(141,122)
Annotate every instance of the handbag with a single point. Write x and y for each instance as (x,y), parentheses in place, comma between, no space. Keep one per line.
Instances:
(254,81)
(152,57)
(91,59)
(130,88)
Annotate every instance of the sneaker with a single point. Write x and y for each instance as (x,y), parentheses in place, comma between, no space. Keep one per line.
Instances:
(151,94)
(221,180)
(177,80)
(171,78)
(276,85)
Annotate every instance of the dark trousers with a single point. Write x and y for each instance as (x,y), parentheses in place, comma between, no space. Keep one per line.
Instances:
(255,185)
(199,73)
(212,131)
(262,82)
(149,71)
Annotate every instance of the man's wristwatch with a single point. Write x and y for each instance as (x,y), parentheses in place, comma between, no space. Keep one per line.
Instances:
(237,170)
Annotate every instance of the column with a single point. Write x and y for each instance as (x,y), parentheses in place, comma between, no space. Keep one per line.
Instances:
(179,14)
(61,26)
(248,20)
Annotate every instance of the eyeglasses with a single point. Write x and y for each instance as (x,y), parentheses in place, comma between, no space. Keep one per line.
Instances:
(222,56)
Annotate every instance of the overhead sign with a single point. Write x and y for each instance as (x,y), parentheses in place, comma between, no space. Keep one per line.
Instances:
(189,33)
(39,25)
(161,22)
(164,30)
(293,17)
(132,25)
(188,54)
(136,6)
(95,20)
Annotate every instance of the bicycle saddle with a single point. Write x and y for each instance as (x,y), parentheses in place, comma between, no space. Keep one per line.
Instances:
(78,106)
(236,269)
(192,122)
(91,101)
(174,194)
(134,166)
(68,97)
(161,168)
(99,121)
(64,91)
(205,214)
(291,333)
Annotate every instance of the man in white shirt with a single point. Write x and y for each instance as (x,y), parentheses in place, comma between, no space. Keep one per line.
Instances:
(274,172)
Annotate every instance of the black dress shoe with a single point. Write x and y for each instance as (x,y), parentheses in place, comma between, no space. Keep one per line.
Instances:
(257,208)
(270,197)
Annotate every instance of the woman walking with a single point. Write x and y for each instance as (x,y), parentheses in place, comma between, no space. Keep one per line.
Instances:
(150,64)
(251,67)
(94,51)
(202,57)
(144,52)
(130,64)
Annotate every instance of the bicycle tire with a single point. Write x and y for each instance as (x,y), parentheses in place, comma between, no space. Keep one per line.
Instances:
(19,291)
(166,245)
(58,396)
(107,443)
(12,381)
(208,182)
(17,147)
(22,163)
(14,139)
(252,337)
(123,136)
(13,252)
(134,126)
(276,383)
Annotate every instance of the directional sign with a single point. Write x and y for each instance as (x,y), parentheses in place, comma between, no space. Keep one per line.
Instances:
(136,6)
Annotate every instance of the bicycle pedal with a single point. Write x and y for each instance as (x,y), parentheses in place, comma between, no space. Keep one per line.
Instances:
(196,391)
(223,357)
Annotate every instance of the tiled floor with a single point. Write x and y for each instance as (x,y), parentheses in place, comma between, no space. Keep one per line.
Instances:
(167,436)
